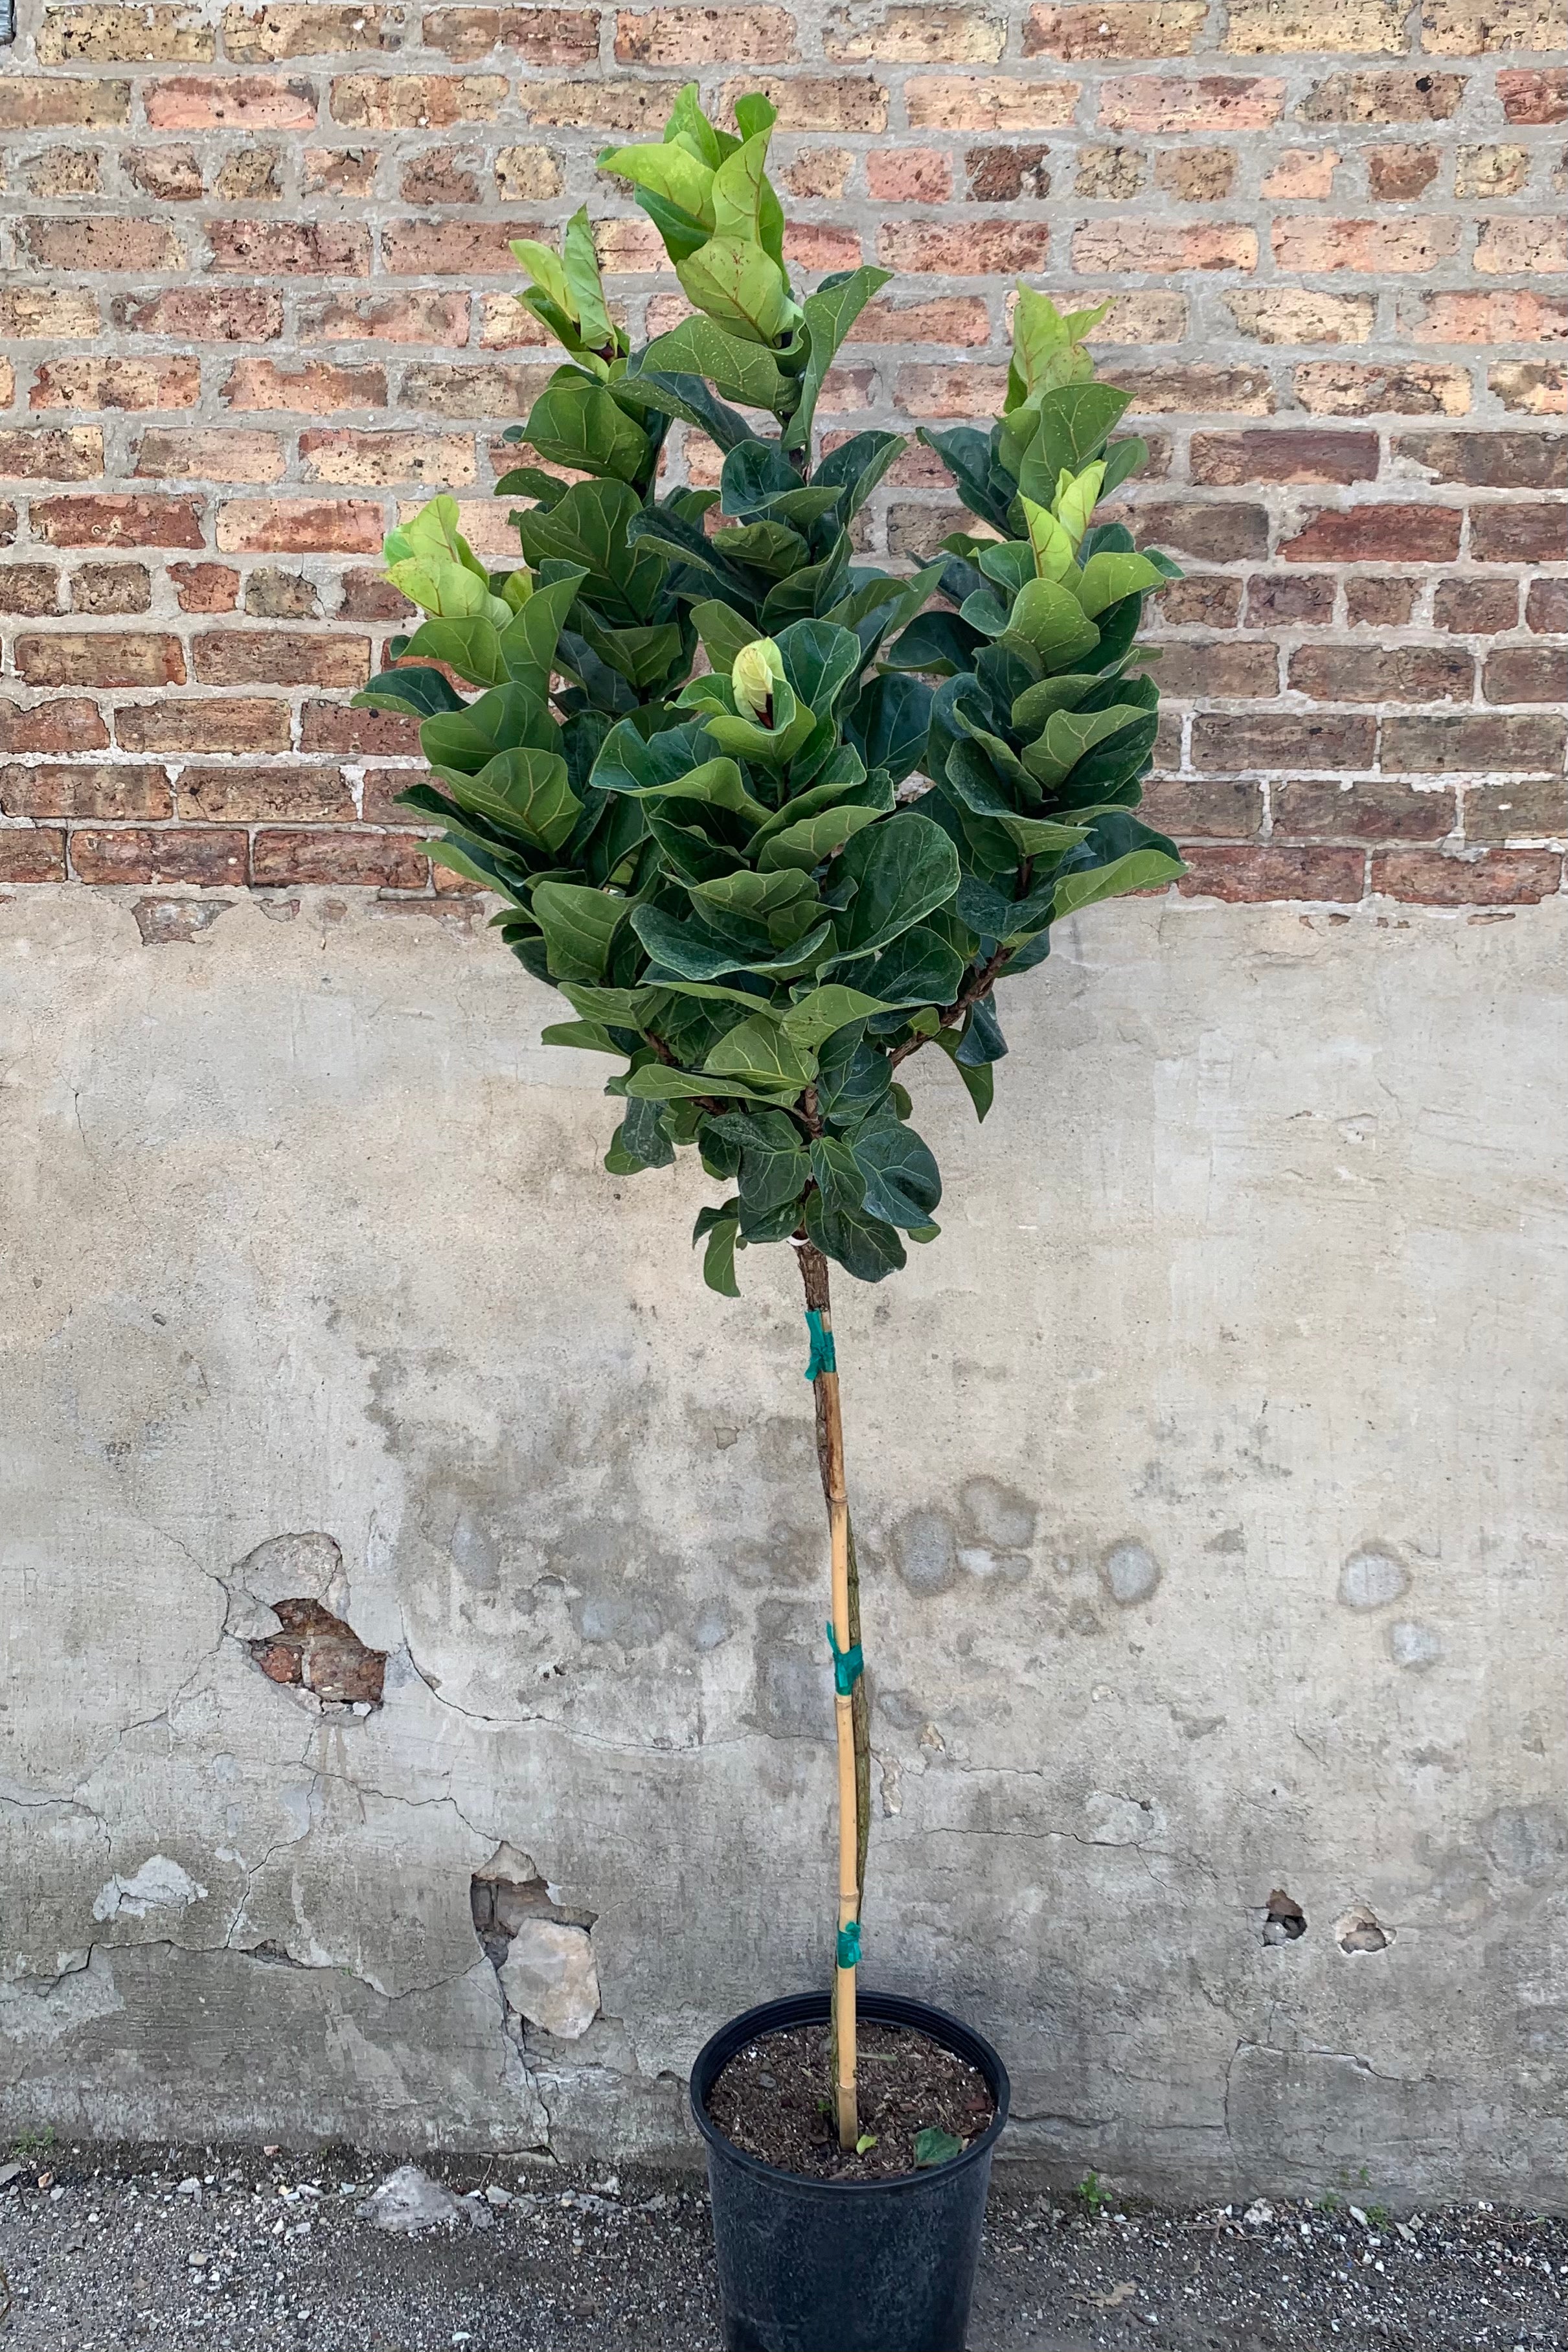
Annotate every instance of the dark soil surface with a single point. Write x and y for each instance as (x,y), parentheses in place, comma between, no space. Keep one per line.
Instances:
(117,2252)
(774,2100)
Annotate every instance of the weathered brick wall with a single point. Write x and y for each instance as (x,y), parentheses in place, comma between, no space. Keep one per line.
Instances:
(260,298)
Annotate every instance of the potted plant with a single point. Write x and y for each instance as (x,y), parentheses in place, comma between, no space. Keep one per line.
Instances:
(764,883)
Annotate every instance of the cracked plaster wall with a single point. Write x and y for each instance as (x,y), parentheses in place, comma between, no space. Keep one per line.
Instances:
(1208,1480)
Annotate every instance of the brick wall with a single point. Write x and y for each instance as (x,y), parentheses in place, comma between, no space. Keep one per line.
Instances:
(259,297)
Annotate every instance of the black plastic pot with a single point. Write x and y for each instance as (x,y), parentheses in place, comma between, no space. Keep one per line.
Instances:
(846,2266)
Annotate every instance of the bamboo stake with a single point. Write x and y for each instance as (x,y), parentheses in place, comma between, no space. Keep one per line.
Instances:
(830,1453)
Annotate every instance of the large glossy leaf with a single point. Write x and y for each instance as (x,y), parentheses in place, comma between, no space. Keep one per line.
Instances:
(1036,704)
(903,868)
(723,632)
(719,1259)
(693,952)
(774,1165)
(1073,425)
(1050,618)
(580,926)
(527,643)
(853,1080)
(760,1052)
(784,899)
(473,649)
(738,285)
(422,691)
(966,454)
(1140,869)
(817,1015)
(657,1082)
(1106,579)
(744,204)
(830,313)
(1068,734)
(674,393)
(1042,836)
(902,1182)
(577,423)
(918,968)
(526,790)
(819,659)
(863,1244)
(507,718)
(768,547)
(858,465)
(807,840)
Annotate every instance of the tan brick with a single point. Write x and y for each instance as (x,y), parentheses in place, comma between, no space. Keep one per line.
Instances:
(1109,175)
(1371,247)
(366,101)
(1512,315)
(386,861)
(988,102)
(197,314)
(96,241)
(1471,28)
(297,28)
(32,854)
(313,388)
(1487,172)
(386,319)
(63,171)
(1196,387)
(448,249)
(960,319)
(44,102)
(167,726)
(196,854)
(816,101)
(108,588)
(1393,387)
(1162,103)
(914,35)
(67,725)
(111,383)
(613,103)
(1196,175)
(1143,318)
(29,589)
(136,36)
(634,245)
(1534,94)
(85,792)
(1530,387)
(48,314)
(504,325)
(975,248)
(1165,245)
(1386,96)
(338,171)
(1292,314)
(440,461)
(170,175)
(100,659)
(967,390)
(488,392)
(527,175)
(205,587)
(250,101)
(1509,244)
(544,37)
(1123,28)
(1302,171)
(439,177)
(210,457)
(250,175)
(291,248)
(703,37)
(71,454)
(1287,27)
(311,795)
(118,519)
(299,527)
(279,657)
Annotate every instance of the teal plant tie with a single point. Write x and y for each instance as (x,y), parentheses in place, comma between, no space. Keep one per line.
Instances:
(849,1945)
(822,1356)
(848,1664)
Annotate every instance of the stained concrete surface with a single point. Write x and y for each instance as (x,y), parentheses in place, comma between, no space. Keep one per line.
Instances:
(1206,1471)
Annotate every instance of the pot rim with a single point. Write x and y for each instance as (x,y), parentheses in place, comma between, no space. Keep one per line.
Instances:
(881,2008)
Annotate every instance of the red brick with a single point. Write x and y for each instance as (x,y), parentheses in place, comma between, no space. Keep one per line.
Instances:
(1218,533)
(1285,599)
(334,727)
(1244,876)
(248,101)
(1203,808)
(1225,459)
(402,318)
(299,527)
(279,657)
(1367,811)
(448,249)
(1398,174)
(67,725)
(1239,670)
(815,246)
(110,382)
(1376,534)
(1501,877)
(85,792)
(34,454)
(97,241)
(32,854)
(706,36)
(543,37)
(997,175)
(1374,604)
(267,248)
(1204,600)
(1310,242)
(913,175)
(195,853)
(1476,743)
(1161,102)
(220,456)
(197,314)
(1546,607)
(263,795)
(172,726)
(1519,533)
(205,587)
(368,596)
(387,861)
(101,659)
(1519,808)
(1494,461)
(1534,94)
(1511,315)
(1386,674)
(966,391)
(118,519)
(435,178)
(1476,608)
(1265,742)
(1526,674)
(1123,28)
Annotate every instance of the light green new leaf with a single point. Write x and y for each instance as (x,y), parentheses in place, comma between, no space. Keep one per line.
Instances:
(670,170)
(733,280)
(1053,548)
(1107,578)
(810,839)
(580,926)
(657,1081)
(817,1016)
(594,323)
(740,196)
(473,649)
(546,268)
(433,533)
(448,592)
(829,314)
(740,370)
(761,1052)
(1050,618)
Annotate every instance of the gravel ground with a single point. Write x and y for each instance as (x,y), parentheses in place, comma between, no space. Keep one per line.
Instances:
(171,2250)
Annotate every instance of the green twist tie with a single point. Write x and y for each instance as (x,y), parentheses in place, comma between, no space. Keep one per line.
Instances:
(822,1356)
(848,1664)
(849,1945)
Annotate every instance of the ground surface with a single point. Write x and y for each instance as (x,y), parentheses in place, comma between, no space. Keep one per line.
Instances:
(102,2252)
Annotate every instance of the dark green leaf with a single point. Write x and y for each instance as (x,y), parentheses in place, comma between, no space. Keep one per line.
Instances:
(903,867)
(579,926)
(577,423)
(918,968)
(829,314)
(934,2147)
(741,371)
(422,691)
(903,1183)
(719,1259)
(863,1244)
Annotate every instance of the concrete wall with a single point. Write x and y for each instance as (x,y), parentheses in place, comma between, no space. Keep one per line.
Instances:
(1208,1473)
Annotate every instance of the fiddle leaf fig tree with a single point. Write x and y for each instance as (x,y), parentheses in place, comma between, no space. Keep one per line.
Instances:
(729,817)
